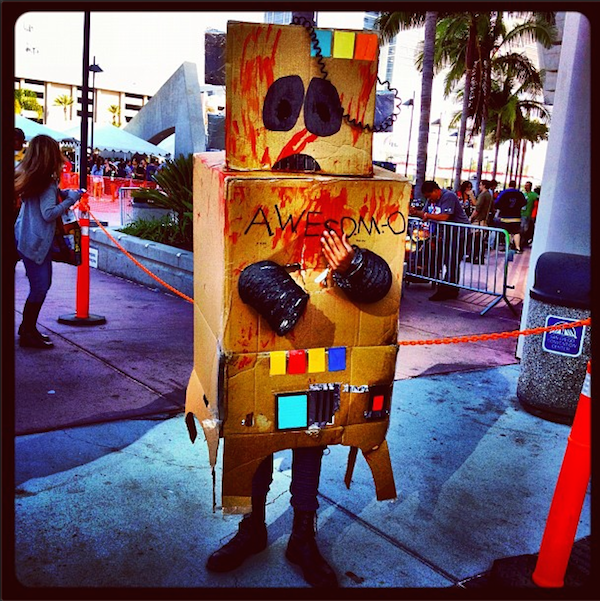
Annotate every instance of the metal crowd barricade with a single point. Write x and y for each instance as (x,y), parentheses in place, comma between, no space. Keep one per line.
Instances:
(478,256)
(125,203)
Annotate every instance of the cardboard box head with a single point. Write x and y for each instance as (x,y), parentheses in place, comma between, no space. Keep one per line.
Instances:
(286,105)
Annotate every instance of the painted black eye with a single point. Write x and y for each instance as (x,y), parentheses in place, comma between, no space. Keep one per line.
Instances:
(283,103)
(322,108)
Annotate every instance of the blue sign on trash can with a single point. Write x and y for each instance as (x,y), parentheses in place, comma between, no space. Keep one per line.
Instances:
(568,341)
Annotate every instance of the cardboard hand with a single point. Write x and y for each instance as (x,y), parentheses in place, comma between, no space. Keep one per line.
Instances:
(338,252)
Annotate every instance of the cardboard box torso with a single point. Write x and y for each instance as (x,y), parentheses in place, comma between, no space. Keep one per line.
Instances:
(244,217)
(328,381)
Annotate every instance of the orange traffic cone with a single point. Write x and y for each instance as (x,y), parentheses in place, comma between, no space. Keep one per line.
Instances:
(565,510)
(82,316)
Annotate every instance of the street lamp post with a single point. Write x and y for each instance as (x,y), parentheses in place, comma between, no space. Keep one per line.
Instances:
(437,122)
(410,102)
(84,101)
(94,69)
(454,135)
(471,145)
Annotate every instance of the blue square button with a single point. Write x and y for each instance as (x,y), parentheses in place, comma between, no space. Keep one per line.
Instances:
(337,358)
(292,411)
(324,38)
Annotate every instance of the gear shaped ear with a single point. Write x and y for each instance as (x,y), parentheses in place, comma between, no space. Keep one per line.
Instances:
(270,290)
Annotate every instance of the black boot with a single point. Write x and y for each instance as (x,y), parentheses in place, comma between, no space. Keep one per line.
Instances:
(251,538)
(303,551)
(37,332)
(28,332)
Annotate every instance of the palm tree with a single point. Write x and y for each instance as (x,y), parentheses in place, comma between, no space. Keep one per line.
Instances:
(115,111)
(472,46)
(492,40)
(65,101)
(508,112)
(533,132)
(456,47)
(389,25)
(27,100)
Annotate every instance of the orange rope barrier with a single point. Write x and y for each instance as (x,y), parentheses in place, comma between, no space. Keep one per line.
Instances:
(450,340)
(497,335)
(147,271)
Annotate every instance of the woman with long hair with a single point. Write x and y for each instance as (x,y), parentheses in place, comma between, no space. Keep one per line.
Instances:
(467,197)
(42,203)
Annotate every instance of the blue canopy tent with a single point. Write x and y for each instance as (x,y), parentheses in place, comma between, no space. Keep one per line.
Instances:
(117,142)
(32,128)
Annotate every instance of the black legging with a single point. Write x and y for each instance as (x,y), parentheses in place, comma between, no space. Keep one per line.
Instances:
(306,471)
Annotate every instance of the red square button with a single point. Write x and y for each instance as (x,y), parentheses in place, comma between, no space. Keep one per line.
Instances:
(297,362)
(377,402)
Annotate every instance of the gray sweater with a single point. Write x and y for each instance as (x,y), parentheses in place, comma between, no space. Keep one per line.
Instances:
(36,222)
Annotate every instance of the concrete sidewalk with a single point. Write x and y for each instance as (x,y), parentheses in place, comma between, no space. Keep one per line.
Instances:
(111,493)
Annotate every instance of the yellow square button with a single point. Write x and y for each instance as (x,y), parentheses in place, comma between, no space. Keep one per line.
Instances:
(343,44)
(316,360)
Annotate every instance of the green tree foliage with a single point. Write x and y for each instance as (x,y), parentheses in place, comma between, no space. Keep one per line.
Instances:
(469,44)
(26,100)
(65,101)
(115,111)
(389,25)
(174,192)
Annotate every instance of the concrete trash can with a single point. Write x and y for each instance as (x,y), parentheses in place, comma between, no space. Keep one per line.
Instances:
(553,365)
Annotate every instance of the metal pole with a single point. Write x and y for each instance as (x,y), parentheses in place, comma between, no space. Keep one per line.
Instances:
(437,147)
(412,110)
(93,108)
(84,101)
(454,160)
(82,317)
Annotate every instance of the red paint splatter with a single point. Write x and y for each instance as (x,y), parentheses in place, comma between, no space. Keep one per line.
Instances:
(266,159)
(255,75)
(244,361)
(251,133)
(266,63)
(270,341)
(297,144)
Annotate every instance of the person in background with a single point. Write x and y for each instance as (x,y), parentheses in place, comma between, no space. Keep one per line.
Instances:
(122,169)
(508,206)
(67,165)
(526,215)
(129,168)
(493,191)
(19,144)
(483,205)
(140,170)
(42,203)
(477,239)
(110,169)
(467,197)
(19,154)
(97,174)
(444,205)
(93,158)
(151,169)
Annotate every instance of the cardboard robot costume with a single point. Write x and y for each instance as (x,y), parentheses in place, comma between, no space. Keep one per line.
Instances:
(324,376)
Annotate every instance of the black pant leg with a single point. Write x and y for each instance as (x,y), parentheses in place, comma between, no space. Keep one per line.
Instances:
(306,471)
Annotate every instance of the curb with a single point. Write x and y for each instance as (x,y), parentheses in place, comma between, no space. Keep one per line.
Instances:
(172,265)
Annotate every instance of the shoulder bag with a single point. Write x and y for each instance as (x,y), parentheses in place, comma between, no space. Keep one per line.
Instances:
(66,245)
